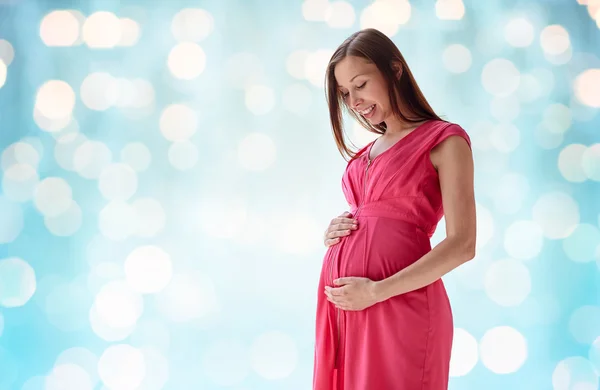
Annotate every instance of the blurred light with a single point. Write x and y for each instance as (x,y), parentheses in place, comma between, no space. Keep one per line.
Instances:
(575,373)
(192,25)
(505,109)
(557,118)
(557,214)
(294,63)
(503,350)
(102,30)
(449,9)
(53,126)
(340,14)
(582,245)
(12,221)
(118,182)
(65,148)
(297,234)
(584,324)
(130,32)
(53,196)
(3,73)
(66,223)
(118,305)
(99,91)
(464,354)
(151,333)
(519,32)
(509,193)
(457,58)
(117,221)
(7,52)
(590,162)
(570,164)
(274,355)
(68,377)
(297,98)
(587,87)
(148,269)
(102,272)
(547,139)
(316,65)
(1,324)
(554,40)
(257,152)
(221,217)
(386,16)
(60,28)
(20,153)
(137,156)
(55,99)
(90,159)
(507,282)
(65,305)
(144,93)
(500,77)
(84,358)
(17,282)
(594,354)
(260,99)
(105,331)
(244,69)
(529,88)
(315,10)
(122,366)
(189,296)
(183,155)
(225,362)
(150,216)
(157,370)
(361,136)
(186,61)
(178,122)
(485,226)
(523,240)
(505,137)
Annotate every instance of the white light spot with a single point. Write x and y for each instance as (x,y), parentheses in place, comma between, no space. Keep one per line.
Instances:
(150,216)
(178,122)
(53,196)
(66,223)
(68,377)
(220,217)
(297,98)
(55,99)
(225,362)
(17,282)
(500,77)
(117,221)
(186,61)
(118,182)
(187,297)
(529,88)
(148,269)
(587,87)
(7,52)
(457,58)
(60,28)
(91,158)
(274,355)
(555,40)
(260,99)
(295,63)
(192,24)
(102,30)
(503,350)
(65,148)
(590,162)
(523,240)
(66,304)
(130,32)
(316,65)
(157,370)
(449,9)
(19,182)
(118,305)
(122,366)
(105,331)
(584,324)
(519,32)
(99,91)
(464,353)
(570,163)
(257,152)
(244,69)
(340,14)
(594,353)
(297,234)
(573,373)
(505,109)
(485,226)
(20,153)
(12,221)
(183,155)
(136,155)
(151,333)
(3,73)
(557,214)
(82,357)
(386,16)
(507,282)
(315,10)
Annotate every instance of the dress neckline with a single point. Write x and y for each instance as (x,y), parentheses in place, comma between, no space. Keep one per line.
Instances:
(400,141)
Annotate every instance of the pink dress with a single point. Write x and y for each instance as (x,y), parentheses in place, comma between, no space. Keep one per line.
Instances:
(403,343)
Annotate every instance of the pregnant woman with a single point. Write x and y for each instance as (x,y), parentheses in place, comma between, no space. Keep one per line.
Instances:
(383,319)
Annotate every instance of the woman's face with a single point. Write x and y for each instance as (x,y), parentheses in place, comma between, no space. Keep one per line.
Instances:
(363,88)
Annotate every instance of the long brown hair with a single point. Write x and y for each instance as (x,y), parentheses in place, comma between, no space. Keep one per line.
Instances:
(377,48)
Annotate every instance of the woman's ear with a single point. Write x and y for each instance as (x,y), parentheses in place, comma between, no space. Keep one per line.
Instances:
(397,66)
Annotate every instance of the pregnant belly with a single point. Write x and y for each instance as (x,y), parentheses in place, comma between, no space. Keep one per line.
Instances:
(379,248)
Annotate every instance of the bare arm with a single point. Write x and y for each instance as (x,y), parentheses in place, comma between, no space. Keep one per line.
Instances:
(454,162)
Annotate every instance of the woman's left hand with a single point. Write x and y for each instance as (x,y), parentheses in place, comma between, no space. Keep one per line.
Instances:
(354,293)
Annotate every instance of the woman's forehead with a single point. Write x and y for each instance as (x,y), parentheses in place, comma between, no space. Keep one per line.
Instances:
(351,67)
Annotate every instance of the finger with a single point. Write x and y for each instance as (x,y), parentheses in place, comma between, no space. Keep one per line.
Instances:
(345,226)
(332,241)
(337,292)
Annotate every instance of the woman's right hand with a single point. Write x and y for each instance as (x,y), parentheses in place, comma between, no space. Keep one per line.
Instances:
(339,227)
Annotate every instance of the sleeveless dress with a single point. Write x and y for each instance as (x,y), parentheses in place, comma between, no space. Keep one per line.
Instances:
(403,343)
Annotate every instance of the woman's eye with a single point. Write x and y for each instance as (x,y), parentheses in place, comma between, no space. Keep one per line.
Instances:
(345,94)
(362,85)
